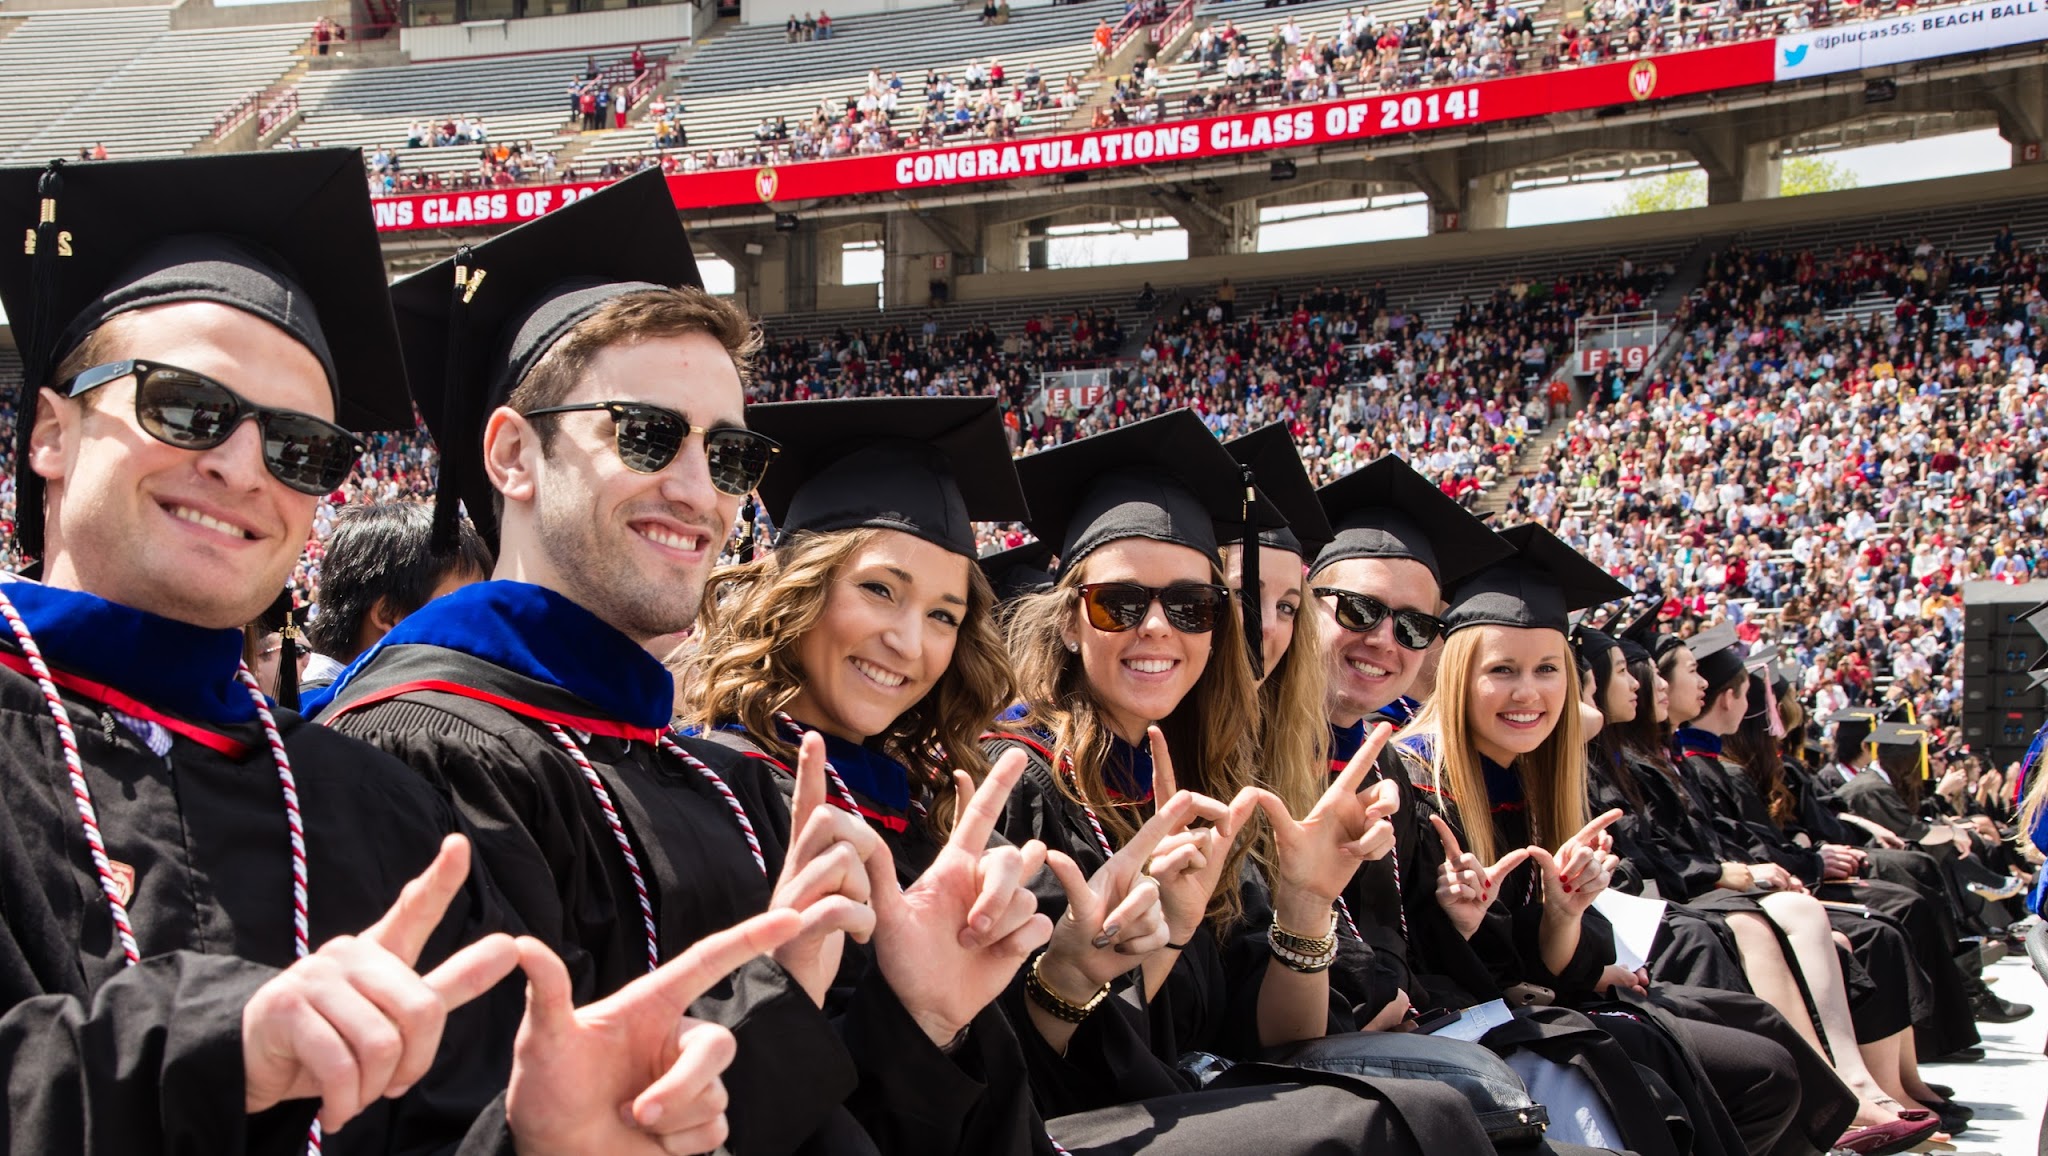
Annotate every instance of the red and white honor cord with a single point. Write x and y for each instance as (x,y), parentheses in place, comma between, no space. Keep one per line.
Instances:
(837,785)
(618,828)
(1094,824)
(88,816)
(732,801)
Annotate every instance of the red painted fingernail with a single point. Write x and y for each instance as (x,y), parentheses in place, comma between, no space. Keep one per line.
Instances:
(1567,889)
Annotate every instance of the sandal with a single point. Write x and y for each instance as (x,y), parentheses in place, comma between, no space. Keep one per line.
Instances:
(1883,1139)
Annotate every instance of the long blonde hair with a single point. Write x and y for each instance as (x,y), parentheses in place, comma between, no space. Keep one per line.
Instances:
(1294,734)
(745,669)
(1553,775)
(1207,735)
(2037,799)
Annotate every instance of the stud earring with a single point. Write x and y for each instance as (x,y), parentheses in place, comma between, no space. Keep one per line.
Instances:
(1073,647)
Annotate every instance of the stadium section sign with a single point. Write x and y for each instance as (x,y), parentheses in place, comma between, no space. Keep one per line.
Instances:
(1908,36)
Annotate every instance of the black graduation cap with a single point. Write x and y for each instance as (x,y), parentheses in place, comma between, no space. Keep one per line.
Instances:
(928,466)
(1166,478)
(287,236)
(1288,514)
(475,324)
(1719,660)
(1537,587)
(1592,644)
(1894,734)
(1387,510)
(1020,570)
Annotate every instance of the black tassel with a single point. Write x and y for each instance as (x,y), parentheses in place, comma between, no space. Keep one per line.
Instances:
(460,447)
(1254,617)
(45,244)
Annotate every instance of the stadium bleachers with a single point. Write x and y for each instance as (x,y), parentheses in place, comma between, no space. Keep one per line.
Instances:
(518,97)
(725,90)
(123,78)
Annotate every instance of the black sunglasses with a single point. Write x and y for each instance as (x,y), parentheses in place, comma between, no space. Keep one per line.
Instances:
(1190,607)
(1361,612)
(649,438)
(194,412)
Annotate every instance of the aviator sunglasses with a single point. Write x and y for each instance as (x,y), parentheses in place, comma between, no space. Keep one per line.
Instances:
(1359,613)
(1190,607)
(649,438)
(194,412)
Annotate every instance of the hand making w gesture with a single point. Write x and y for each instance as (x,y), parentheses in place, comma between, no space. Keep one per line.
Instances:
(952,941)
(1465,887)
(1346,828)
(1189,864)
(1580,869)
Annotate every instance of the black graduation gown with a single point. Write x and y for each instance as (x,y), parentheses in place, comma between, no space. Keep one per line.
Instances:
(978,1099)
(1895,936)
(1118,1087)
(106,1057)
(478,732)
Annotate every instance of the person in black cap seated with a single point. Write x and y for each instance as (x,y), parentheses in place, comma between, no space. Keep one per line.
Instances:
(868,631)
(590,412)
(1137,651)
(183,865)
(1377,585)
(1886,959)
(1018,571)
(1290,670)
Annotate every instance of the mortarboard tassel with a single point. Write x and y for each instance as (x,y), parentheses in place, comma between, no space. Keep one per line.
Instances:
(1254,622)
(463,436)
(45,244)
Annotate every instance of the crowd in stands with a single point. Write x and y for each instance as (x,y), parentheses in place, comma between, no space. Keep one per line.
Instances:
(1825,473)
(811,27)
(498,165)
(1236,70)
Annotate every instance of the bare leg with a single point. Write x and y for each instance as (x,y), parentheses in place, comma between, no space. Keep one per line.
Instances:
(1805,923)
(1763,963)
(1909,1073)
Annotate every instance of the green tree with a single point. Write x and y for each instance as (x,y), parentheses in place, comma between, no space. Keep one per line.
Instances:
(1679,190)
(1802,175)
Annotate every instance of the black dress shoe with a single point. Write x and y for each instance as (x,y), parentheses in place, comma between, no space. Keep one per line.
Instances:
(1986,1007)
(1969,1055)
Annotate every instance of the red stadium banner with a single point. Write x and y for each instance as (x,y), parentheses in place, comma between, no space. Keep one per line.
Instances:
(1619,83)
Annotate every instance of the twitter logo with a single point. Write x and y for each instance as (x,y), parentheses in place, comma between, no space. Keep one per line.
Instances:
(1795,56)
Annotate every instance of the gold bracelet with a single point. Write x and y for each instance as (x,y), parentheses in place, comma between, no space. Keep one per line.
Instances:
(1302,944)
(1055,1004)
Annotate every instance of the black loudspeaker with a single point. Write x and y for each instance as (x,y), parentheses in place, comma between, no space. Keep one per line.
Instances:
(2001,706)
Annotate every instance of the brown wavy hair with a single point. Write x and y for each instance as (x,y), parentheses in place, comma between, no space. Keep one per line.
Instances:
(1553,775)
(1212,748)
(745,669)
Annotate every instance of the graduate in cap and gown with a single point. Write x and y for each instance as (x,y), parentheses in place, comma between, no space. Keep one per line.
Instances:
(1139,714)
(588,400)
(868,632)
(1503,733)
(183,862)
(1376,586)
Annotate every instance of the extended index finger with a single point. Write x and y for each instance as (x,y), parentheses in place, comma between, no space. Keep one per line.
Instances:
(810,783)
(1452,849)
(1600,823)
(681,980)
(1163,782)
(404,929)
(983,806)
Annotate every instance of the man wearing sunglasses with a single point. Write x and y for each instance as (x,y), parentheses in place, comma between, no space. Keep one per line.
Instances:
(1377,585)
(591,418)
(204,933)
